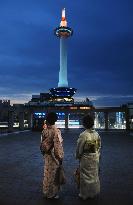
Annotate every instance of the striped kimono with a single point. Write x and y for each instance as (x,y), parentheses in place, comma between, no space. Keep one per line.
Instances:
(88,152)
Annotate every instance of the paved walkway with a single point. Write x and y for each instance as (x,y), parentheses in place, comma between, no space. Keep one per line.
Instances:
(21,170)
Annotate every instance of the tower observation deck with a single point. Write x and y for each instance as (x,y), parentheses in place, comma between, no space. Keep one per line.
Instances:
(63,92)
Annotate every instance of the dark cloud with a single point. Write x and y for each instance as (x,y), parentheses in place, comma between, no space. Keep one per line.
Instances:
(100,52)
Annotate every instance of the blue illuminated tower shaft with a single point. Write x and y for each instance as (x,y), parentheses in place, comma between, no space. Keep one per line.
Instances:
(63,93)
(63,82)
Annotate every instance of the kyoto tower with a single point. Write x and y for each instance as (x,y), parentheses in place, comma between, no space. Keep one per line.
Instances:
(63,92)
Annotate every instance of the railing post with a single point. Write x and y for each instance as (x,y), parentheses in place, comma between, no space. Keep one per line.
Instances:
(106,118)
(21,120)
(10,120)
(66,120)
(30,120)
(127,116)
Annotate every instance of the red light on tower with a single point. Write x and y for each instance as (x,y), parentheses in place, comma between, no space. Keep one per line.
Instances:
(63,22)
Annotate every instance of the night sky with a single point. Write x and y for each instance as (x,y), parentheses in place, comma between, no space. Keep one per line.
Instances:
(100,52)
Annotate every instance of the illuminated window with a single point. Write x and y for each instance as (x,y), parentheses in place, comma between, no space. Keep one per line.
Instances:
(84,108)
(73,108)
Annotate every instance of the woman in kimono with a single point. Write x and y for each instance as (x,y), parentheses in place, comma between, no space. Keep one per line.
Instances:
(88,152)
(51,144)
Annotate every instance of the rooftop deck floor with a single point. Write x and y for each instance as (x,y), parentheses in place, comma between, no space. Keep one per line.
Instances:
(21,170)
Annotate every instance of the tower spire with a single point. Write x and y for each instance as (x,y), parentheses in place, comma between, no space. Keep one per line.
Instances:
(63,14)
(63,22)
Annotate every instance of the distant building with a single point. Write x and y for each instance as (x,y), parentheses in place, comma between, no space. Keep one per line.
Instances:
(4,107)
(4,103)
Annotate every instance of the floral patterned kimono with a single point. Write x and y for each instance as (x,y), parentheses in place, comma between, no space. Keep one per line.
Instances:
(51,160)
(88,152)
